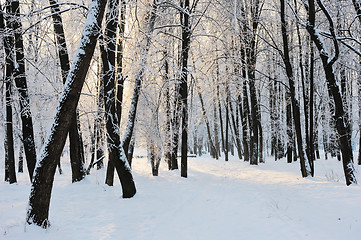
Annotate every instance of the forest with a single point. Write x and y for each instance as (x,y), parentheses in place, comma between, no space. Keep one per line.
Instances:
(251,80)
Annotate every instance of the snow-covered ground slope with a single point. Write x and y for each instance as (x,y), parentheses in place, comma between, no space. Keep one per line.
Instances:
(219,200)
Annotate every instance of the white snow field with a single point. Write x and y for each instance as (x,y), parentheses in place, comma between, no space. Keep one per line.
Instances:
(219,200)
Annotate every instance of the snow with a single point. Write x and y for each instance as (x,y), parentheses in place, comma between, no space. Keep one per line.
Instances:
(218,200)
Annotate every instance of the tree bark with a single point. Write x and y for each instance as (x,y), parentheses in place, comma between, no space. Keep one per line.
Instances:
(75,140)
(10,174)
(108,48)
(21,85)
(120,78)
(183,90)
(304,162)
(168,144)
(226,140)
(213,151)
(139,78)
(343,130)
(39,200)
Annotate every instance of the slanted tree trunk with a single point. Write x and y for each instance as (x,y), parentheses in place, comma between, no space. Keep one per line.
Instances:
(21,85)
(39,200)
(140,77)
(340,118)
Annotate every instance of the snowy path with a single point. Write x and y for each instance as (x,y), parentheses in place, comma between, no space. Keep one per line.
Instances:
(219,200)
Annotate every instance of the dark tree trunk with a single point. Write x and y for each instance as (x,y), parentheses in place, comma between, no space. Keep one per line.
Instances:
(220,119)
(76,150)
(254,120)
(226,140)
(235,123)
(305,95)
(260,133)
(175,123)
(340,118)
(75,140)
(93,147)
(139,78)
(120,78)
(10,174)
(39,200)
(21,159)
(213,151)
(183,90)
(251,60)
(154,157)
(290,141)
(245,114)
(131,150)
(305,164)
(311,135)
(168,144)
(108,48)
(215,124)
(98,124)
(117,148)
(21,85)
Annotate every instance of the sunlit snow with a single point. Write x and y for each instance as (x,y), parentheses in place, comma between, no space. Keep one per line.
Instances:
(218,200)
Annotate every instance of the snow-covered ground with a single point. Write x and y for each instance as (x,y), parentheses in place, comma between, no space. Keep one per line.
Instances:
(219,200)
